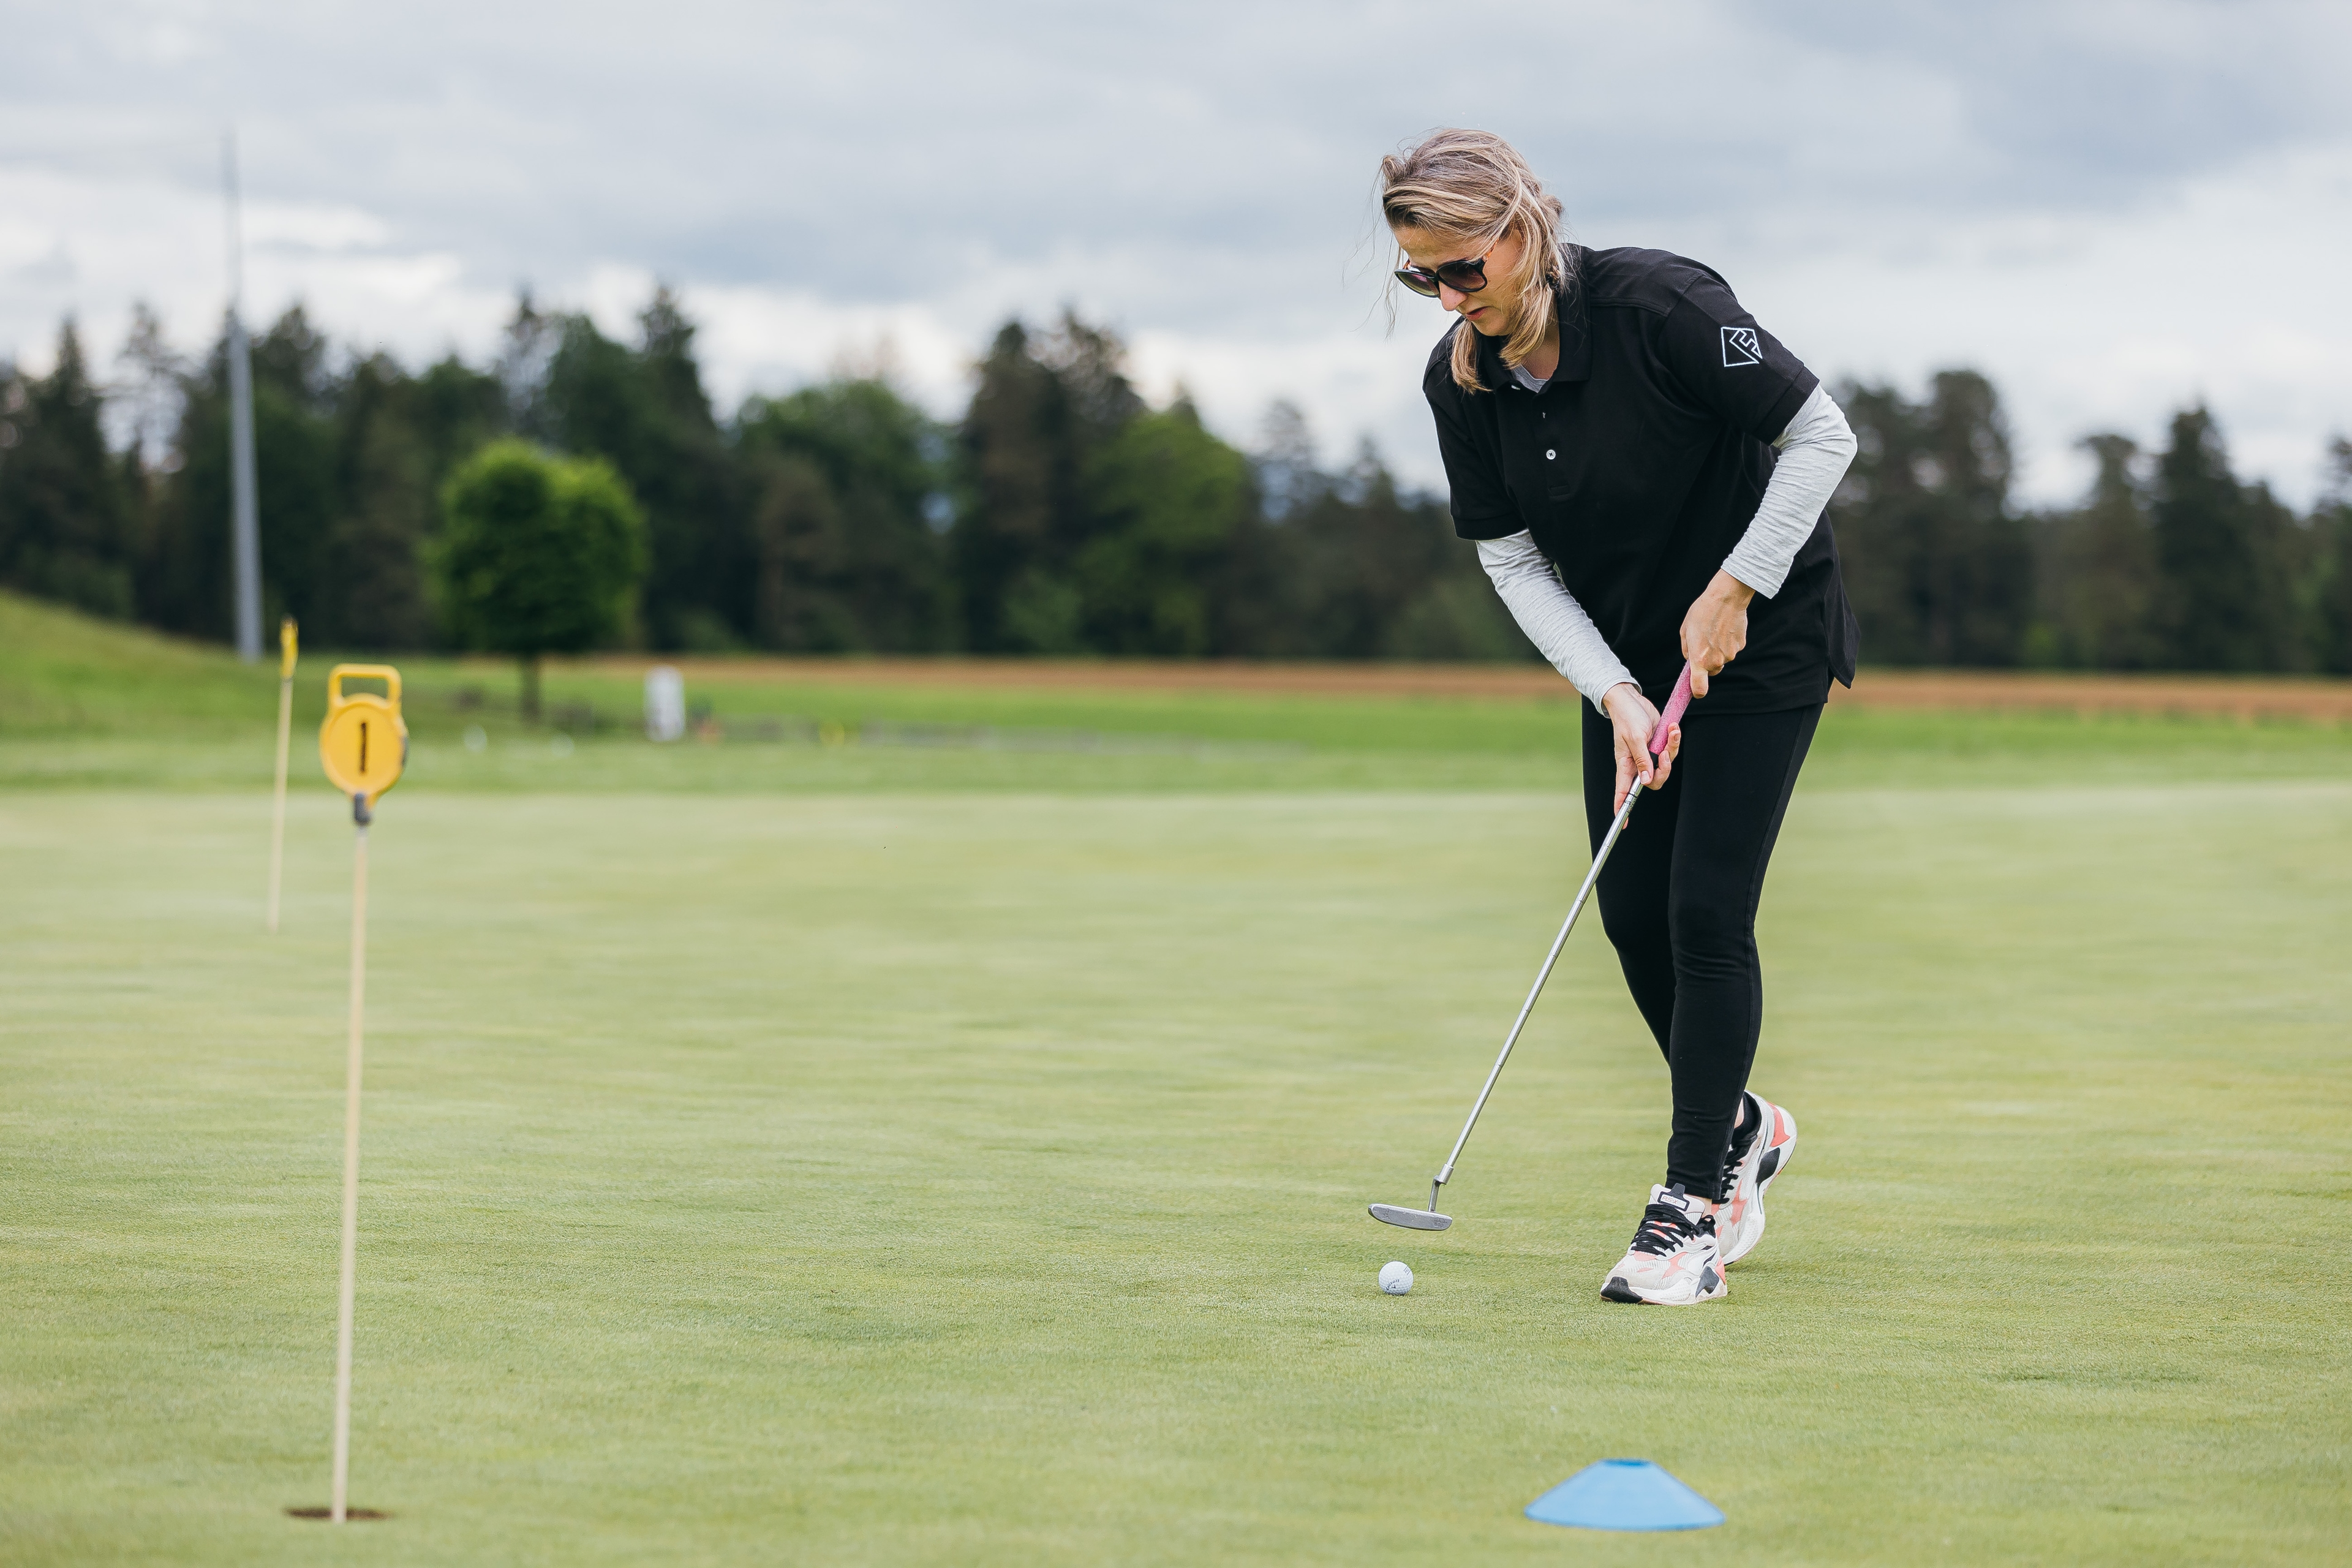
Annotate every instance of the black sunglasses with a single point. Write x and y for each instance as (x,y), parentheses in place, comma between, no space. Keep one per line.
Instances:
(1462,276)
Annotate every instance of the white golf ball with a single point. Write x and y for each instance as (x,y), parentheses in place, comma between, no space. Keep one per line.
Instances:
(1395,1279)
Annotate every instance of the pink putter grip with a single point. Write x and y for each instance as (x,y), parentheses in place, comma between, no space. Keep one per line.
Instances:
(1675,705)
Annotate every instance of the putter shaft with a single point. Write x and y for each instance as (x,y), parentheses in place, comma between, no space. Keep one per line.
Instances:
(1677,703)
(1551,958)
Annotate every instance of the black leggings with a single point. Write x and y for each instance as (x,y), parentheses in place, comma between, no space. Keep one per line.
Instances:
(1678,898)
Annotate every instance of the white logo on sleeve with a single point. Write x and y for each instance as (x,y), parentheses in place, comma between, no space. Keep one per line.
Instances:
(1740,347)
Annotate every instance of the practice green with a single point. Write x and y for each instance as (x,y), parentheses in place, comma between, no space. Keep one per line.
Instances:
(953,1178)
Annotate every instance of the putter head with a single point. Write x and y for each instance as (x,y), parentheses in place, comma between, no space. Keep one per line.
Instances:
(1411,1219)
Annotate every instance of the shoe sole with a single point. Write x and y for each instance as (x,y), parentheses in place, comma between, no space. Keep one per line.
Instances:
(1711,1288)
(1775,1161)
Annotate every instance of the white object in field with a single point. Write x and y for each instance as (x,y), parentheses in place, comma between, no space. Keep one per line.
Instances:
(664,704)
(1395,1279)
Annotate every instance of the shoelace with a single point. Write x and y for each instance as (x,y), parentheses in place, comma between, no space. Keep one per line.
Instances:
(1743,1139)
(1663,1227)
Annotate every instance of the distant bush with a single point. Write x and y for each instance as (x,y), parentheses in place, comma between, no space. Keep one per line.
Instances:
(537,554)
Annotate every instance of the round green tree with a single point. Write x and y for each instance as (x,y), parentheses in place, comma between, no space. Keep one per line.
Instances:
(539,554)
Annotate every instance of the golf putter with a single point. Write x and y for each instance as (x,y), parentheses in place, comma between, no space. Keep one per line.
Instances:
(1429,1218)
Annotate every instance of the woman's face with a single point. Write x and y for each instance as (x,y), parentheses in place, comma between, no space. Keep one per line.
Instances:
(1490,310)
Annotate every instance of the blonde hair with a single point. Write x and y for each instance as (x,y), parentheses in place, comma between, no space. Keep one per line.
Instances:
(1473,185)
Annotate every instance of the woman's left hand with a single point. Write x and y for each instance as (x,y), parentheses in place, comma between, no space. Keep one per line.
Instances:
(1716,629)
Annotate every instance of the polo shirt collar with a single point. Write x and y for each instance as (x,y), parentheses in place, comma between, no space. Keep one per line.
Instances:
(1575,330)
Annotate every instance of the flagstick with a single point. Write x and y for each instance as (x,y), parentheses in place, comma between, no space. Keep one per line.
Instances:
(351,1163)
(277,816)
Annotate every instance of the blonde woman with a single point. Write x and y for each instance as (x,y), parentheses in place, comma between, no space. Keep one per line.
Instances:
(1644,470)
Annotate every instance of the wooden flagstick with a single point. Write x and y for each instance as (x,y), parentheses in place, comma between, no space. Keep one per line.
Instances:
(363,746)
(350,1281)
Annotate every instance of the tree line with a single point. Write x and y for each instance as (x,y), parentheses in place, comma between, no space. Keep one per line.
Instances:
(1061,514)
(2170,562)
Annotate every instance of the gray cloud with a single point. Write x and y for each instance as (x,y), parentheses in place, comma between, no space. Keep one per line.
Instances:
(1199,170)
(734,140)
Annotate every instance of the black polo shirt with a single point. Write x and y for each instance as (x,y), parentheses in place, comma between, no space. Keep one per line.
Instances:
(1640,464)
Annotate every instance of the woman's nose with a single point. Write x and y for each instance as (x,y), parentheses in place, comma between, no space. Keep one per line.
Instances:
(1449,298)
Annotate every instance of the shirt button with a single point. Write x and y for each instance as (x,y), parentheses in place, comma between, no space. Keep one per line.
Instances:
(1551,454)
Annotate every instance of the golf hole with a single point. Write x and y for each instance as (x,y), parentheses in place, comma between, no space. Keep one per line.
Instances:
(349,1514)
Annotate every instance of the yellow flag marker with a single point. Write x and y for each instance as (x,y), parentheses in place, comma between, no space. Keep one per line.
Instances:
(363,745)
(285,735)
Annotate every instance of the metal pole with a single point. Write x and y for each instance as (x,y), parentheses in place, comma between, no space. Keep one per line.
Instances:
(350,1167)
(278,812)
(245,526)
(1566,926)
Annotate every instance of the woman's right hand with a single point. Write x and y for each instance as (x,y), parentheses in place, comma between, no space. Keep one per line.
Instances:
(1636,721)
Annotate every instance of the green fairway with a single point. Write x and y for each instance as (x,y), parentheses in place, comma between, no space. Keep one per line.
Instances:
(950,1177)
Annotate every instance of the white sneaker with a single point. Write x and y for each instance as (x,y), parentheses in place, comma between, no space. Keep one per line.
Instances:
(1739,1222)
(1672,1261)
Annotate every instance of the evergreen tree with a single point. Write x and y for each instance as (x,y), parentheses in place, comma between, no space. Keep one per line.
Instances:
(1287,477)
(1090,364)
(186,575)
(66,523)
(2222,602)
(1043,408)
(1376,573)
(1986,553)
(2332,525)
(1002,542)
(645,411)
(183,575)
(294,466)
(527,352)
(457,410)
(693,486)
(371,592)
(2287,551)
(1167,501)
(145,401)
(346,466)
(1938,565)
(2096,571)
(806,597)
(848,481)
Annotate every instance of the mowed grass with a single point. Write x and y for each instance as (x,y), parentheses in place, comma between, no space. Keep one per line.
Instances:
(978,1177)
(858,1152)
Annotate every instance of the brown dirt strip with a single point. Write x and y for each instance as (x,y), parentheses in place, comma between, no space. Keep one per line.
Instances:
(2241,697)
(2311,698)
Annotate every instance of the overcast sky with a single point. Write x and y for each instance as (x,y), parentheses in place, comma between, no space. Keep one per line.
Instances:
(2112,210)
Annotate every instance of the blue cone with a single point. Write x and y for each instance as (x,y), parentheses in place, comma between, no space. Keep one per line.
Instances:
(1624,1494)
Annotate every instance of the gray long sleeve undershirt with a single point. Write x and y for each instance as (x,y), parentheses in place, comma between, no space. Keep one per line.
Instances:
(1815,451)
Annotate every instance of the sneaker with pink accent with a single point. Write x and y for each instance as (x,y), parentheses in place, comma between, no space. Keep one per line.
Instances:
(1749,1171)
(1672,1261)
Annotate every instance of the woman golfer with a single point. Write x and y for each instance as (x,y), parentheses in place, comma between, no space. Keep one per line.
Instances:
(1609,421)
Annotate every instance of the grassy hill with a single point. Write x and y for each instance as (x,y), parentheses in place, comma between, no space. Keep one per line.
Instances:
(63,673)
(89,703)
